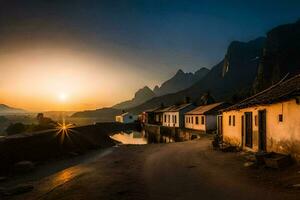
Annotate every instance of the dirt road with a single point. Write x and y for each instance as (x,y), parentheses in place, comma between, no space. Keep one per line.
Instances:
(188,170)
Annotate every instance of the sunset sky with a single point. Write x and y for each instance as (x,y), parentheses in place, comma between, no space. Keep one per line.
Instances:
(74,55)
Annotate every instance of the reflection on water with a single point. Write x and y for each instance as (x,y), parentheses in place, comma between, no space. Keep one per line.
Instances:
(133,137)
(146,137)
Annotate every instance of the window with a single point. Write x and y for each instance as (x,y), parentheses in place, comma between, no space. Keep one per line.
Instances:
(192,120)
(229,120)
(196,120)
(280,117)
(202,119)
(186,120)
(233,120)
(169,117)
(165,116)
(189,119)
(175,120)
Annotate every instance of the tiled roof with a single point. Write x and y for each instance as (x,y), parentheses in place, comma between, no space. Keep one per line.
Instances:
(283,90)
(205,109)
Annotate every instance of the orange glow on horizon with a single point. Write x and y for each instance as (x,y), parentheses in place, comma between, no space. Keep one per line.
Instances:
(63,80)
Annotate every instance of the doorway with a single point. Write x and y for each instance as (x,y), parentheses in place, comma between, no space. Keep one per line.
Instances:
(262,130)
(220,125)
(248,129)
(242,131)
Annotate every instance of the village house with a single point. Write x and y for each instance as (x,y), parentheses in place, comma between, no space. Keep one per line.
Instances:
(204,118)
(173,116)
(268,121)
(153,116)
(126,118)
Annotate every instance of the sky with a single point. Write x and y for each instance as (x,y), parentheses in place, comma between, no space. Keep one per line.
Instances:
(77,55)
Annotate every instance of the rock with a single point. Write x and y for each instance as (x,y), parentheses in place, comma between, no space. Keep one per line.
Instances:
(19,189)
(249,164)
(24,166)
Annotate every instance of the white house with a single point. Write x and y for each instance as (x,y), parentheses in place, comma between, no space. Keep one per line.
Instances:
(126,118)
(173,116)
(268,121)
(204,118)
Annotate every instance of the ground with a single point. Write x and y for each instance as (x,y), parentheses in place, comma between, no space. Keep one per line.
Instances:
(186,170)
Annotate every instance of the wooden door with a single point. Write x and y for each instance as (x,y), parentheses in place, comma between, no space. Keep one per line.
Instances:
(248,129)
(220,125)
(262,130)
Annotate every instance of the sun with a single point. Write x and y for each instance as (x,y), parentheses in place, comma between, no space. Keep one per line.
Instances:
(62,96)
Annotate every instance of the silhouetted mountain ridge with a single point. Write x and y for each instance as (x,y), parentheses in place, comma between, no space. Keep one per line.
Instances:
(247,67)
(5,109)
(180,81)
(141,96)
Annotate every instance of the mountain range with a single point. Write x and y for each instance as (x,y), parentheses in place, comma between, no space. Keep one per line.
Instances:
(247,68)
(179,81)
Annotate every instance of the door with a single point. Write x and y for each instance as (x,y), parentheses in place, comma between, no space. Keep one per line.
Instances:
(262,130)
(248,129)
(220,125)
(242,131)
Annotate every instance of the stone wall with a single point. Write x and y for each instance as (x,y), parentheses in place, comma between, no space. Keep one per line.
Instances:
(50,144)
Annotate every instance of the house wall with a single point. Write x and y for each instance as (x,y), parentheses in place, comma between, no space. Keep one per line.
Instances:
(126,118)
(170,119)
(179,117)
(282,137)
(190,122)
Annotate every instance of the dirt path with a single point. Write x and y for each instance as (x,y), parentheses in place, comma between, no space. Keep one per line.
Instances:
(189,170)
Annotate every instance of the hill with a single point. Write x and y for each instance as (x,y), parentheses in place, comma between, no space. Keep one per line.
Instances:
(7,110)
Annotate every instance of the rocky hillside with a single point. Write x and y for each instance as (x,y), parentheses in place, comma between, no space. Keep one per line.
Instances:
(232,77)
(280,57)
(180,81)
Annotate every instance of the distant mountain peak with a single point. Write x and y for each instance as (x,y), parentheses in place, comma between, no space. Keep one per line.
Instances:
(5,109)
(141,96)
(179,72)
(180,81)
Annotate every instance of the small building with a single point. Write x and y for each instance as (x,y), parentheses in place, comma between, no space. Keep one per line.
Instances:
(153,116)
(126,118)
(173,116)
(268,121)
(204,118)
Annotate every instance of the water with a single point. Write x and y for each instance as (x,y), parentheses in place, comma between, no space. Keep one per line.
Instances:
(145,137)
(132,137)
